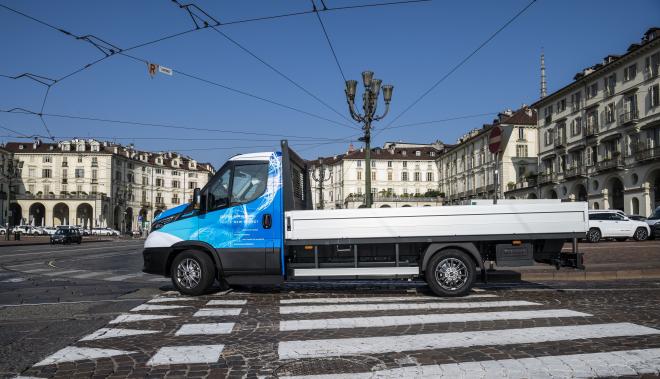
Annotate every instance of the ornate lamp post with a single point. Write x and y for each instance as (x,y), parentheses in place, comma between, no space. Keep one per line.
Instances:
(369,104)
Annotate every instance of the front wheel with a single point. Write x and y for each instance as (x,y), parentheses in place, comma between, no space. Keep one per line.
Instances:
(594,235)
(641,234)
(450,272)
(193,272)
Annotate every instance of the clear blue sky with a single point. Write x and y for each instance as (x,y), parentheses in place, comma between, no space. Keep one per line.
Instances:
(409,46)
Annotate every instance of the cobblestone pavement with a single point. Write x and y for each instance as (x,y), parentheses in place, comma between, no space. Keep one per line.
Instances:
(381,331)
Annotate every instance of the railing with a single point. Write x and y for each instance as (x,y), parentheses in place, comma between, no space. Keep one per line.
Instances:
(529,182)
(145,204)
(65,181)
(629,117)
(575,171)
(610,164)
(160,205)
(648,154)
(591,130)
(68,196)
(547,178)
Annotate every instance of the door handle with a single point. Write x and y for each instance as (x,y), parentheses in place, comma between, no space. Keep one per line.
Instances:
(267,221)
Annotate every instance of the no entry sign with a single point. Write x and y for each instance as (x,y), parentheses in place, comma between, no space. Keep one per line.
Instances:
(495,140)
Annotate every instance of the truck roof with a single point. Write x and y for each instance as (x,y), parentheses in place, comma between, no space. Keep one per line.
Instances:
(263,156)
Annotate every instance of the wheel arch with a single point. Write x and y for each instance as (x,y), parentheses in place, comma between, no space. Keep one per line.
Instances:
(467,247)
(203,247)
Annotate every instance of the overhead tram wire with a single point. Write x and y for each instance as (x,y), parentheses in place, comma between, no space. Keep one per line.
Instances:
(87,66)
(327,38)
(436,121)
(148,124)
(464,60)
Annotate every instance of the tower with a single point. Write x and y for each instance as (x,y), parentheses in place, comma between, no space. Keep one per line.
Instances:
(543,83)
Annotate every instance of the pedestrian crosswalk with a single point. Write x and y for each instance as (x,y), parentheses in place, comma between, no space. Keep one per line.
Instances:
(40,269)
(412,336)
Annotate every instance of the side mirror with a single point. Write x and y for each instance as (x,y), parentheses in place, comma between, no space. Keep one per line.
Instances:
(626,219)
(196,199)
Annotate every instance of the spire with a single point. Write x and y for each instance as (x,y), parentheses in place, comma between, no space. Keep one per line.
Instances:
(543,83)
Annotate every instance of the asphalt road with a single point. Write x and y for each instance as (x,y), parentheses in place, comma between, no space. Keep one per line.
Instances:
(88,311)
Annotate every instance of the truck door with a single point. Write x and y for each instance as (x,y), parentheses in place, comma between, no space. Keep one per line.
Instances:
(236,220)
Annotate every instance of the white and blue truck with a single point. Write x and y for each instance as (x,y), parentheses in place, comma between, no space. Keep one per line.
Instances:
(253,223)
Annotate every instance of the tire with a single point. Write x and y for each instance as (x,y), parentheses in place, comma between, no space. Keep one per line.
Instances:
(193,272)
(450,272)
(594,235)
(622,239)
(641,234)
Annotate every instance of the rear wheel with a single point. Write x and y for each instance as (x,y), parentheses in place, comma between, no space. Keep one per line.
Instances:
(193,272)
(594,235)
(641,234)
(450,272)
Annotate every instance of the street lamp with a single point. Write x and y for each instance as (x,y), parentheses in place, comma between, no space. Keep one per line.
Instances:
(372,89)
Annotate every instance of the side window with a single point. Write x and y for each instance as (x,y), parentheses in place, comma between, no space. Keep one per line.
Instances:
(218,192)
(249,182)
(598,216)
(616,217)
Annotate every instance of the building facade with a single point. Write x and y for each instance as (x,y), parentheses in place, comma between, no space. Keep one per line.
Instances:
(600,134)
(467,170)
(402,175)
(98,184)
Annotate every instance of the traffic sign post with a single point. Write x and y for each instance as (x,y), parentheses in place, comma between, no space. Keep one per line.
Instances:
(495,145)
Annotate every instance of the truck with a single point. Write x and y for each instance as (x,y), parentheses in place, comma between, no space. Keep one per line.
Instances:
(253,223)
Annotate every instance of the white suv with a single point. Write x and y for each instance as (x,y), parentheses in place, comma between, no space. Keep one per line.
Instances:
(614,224)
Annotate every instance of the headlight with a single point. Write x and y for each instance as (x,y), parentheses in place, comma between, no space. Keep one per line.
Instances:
(162,222)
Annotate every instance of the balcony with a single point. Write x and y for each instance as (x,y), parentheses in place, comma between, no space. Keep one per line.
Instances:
(615,163)
(65,164)
(591,131)
(580,171)
(95,181)
(548,178)
(160,204)
(65,181)
(145,204)
(560,142)
(652,153)
(629,118)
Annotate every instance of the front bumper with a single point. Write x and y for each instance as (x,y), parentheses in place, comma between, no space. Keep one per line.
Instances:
(156,260)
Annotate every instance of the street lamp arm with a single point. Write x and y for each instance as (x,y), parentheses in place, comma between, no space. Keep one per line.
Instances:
(387,109)
(351,107)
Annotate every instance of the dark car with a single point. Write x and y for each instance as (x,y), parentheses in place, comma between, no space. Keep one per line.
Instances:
(66,235)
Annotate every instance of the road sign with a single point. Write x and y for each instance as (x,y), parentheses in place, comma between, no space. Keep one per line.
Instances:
(165,70)
(153,69)
(495,140)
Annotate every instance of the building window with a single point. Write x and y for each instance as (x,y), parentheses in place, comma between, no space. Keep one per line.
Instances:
(80,159)
(359,163)
(192,185)
(389,175)
(521,134)
(159,182)
(159,198)
(547,113)
(373,163)
(47,159)
(404,176)
(32,172)
(592,90)
(95,174)
(654,93)
(175,173)
(521,151)
(576,101)
(175,199)
(609,83)
(429,176)
(373,175)
(95,162)
(630,72)
(144,196)
(176,184)
(389,164)
(561,105)
(609,113)
(80,173)
(405,164)
(359,175)
(95,189)
(159,171)
(652,64)
(417,176)
(418,153)
(130,178)
(576,126)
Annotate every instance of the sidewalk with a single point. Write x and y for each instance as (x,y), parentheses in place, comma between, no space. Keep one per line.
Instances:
(602,261)
(45,240)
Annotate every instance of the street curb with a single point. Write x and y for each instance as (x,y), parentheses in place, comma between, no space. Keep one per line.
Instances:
(650,273)
(44,243)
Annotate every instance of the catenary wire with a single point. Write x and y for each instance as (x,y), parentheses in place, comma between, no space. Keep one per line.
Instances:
(463,61)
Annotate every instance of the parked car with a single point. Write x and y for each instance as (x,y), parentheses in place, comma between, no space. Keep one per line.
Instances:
(613,224)
(39,231)
(24,229)
(654,223)
(104,232)
(49,230)
(66,235)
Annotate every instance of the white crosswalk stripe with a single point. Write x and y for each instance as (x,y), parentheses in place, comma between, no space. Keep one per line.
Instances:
(609,364)
(373,345)
(383,321)
(399,307)
(375,299)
